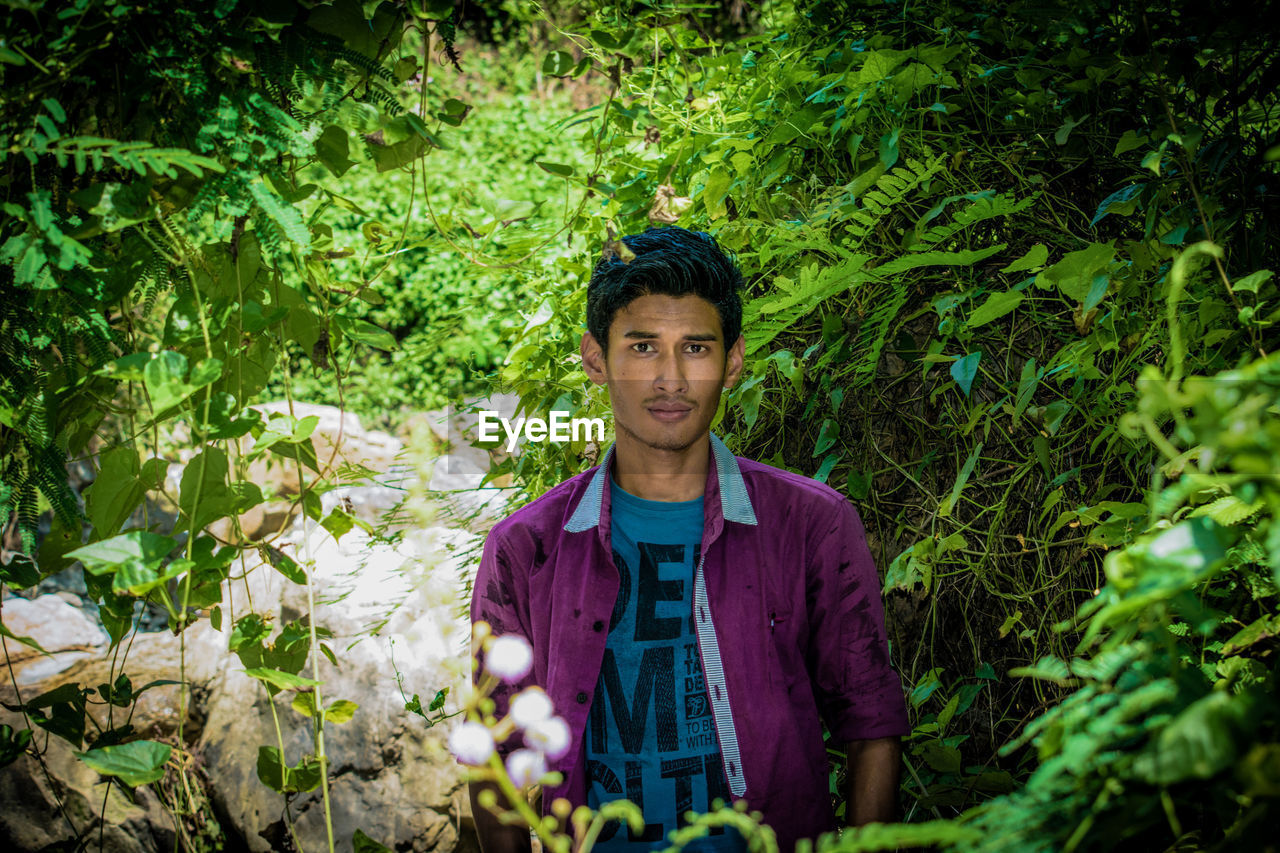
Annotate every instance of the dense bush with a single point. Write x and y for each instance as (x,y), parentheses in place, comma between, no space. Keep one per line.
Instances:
(960,227)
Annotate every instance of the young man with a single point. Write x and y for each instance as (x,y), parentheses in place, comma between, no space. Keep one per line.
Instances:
(694,616)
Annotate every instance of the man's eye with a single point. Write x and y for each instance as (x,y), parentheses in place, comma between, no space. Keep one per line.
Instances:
(636,347)
(697,348)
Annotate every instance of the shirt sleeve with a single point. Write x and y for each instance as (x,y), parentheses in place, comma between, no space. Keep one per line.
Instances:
(498,599)
(859,694)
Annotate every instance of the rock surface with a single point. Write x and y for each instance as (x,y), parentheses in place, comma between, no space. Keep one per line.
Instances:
(396,611)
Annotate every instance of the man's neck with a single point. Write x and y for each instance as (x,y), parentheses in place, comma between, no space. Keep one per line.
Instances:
(661,475)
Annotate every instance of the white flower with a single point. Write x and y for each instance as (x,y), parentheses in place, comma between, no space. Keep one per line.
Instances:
(526,767)
(509,657)
(471,743)
(531,706)
(550,736)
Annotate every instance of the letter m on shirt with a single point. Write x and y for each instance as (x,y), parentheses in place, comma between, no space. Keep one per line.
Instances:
(655,684)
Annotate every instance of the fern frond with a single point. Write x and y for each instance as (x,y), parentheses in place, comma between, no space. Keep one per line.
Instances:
(370,67)
(979,210)
(50,475)
(791,301)
(140,157)
(875,331)
(284,215)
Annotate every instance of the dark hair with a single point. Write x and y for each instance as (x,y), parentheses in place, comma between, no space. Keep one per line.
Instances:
(669,261)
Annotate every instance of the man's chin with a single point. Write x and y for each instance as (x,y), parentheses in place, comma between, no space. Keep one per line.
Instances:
(673,440)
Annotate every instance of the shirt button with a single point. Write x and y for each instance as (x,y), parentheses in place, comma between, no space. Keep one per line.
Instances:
(597,626)
(582,697)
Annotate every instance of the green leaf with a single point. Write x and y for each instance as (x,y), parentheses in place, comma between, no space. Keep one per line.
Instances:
(751,395)
(136,547)
(826,437)
(1200,742)
(304,703)
(1074,275)
(282,680)
(993,782)
(557,169)
(138,763)
(1026,387)
(1048,668)
(278,776)
(1041,446)
(361,843)
(340,711)
(333,149)
(928,683)
(206,495)
(1035,257)
(1185,551)
(284,564)
(557,63)
(1128,141)
(367,333)
(1253,281)
(1009,623)
(1123,201)
(12,746)
(1262,628)
(889,148)
(1069,125)
(965,470)
(165,377)
(996,306)
(1097,290)
(119,487)
(963,371)
(713,194)
(939,756)
(338,523)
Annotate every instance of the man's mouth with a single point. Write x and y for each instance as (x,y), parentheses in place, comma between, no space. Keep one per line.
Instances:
(670,412)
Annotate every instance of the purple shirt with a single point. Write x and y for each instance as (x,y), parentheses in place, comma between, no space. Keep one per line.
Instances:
(786,608)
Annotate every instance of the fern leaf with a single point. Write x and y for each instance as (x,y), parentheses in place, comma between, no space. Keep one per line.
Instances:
(816,285)
(937,258)
(1229,510)
(874,332)
(286,216)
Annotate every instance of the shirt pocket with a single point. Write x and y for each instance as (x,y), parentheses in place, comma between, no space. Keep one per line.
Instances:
(784,644)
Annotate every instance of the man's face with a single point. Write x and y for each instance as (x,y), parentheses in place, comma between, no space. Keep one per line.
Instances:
(666,364)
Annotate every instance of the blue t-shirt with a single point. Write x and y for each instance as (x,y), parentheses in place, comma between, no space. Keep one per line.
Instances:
(651,737)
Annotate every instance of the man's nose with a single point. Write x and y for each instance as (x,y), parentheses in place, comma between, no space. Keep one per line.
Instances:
(671,377)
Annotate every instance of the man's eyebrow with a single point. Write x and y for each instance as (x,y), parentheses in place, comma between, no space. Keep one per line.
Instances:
(695,336)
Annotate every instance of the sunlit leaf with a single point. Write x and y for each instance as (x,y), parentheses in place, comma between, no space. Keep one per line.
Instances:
(136,763)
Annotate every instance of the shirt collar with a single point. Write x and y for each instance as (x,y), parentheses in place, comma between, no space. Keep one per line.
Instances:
(724,477)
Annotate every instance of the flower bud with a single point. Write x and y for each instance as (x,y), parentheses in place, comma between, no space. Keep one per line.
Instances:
(550,736)
(526,767)
(530,706)
(509,657)
(471,743)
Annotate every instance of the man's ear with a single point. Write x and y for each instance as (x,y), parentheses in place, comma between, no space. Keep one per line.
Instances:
(734,359)
(593,358)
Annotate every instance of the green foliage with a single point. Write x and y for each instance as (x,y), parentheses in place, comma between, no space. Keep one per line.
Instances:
(135,763)
(1173,714)
(1070,206)
(169,209)
(1023,198)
